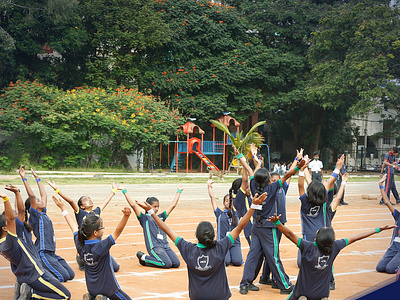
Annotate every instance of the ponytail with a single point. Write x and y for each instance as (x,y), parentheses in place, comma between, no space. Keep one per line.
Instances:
(27,207)
(90,223)
(231,211)
(205,234)
(261,179)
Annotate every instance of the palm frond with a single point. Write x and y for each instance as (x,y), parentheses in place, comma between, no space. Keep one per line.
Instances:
(225,129)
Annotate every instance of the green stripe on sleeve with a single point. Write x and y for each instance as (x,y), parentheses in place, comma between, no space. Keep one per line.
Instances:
(177,240)
(347,241)
(298,243)
(280,183)
(252,177)
(231,238)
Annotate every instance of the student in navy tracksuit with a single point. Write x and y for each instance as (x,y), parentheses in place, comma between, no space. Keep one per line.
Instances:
(44,232)
(206,259)
(83,208)
(26,264)
(390,262)
(388,164)
(339,180)
(160,254)
(95,251)
(227,220)
(317,259)
(265,237)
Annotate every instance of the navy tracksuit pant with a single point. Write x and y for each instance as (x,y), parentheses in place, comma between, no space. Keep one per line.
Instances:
(265,241)
(391,186)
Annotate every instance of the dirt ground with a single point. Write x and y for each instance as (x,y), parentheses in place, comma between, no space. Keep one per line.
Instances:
(354,267)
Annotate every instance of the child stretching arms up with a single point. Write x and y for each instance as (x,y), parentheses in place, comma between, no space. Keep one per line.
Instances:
(26,264)
(82,209)
(391,259)
(44,231)
(206,259)
(317,258)
(99,274)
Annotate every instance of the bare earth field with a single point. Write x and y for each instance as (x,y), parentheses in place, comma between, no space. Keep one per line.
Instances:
(354,267)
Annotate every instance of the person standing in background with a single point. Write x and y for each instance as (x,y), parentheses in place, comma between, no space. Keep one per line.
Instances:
(316,167)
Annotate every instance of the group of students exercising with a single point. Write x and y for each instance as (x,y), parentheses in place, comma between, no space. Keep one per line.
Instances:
(256,203)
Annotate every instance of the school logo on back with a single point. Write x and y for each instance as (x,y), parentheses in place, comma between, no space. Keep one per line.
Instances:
(314,211)
(88,258)
(322,262)
(202,263)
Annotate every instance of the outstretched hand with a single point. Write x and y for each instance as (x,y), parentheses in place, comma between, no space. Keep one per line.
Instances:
(387,227)
(52,184)
(34,173)
(126,211)
(340,162)
(259,199)
(274,218)
(382,180)
(301,163)
(144,205)
(59,203)
(299,154)
(12,188)
(21,171)
(235,150)
(210,182)
(306,160)
(345,176)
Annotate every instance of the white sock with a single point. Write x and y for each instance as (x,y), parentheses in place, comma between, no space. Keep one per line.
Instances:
(143,257)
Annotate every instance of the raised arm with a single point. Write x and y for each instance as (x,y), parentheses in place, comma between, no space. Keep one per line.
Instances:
(19,202)
(31,195)
(65,214)
(43,194)
(121,225)
(245,180)
(296,165)
(10,217)
(285,230)
(384,195)
(257,201)
(256,159)
(243,161)
(211,194)
(175,201)
(110,196)
(130,201)
(62,195)
(339,195)
(164,227)
(364,235)
(331,181)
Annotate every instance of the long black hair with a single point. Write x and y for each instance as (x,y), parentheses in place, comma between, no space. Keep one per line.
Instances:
(316,193)
(151,200)
(262,179)
(3,221)
(236,184)
(324,239)
(205,234)
(90,223)
(27,207)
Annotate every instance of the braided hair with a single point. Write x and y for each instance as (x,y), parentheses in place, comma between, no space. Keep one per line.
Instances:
(324,239)
(90,223)
(261,179)
(205,234)
(236,184)
(27,207)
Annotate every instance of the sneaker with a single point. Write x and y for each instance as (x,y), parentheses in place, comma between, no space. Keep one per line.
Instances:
(244,289)
(25,292)
(80,262)
(274,285)
(265,281)
(17,287)
(383,203)
(288,290)
(343,203)
(87,296)
(139,255)
(101,297)
(332,285)
(253,288)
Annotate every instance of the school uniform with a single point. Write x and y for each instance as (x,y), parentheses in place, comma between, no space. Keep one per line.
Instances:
(242,204)
(80,215)
(316,166)
(27,268)
(316,270)
(390,261)
(206,268)
(224,227)
(339,180)
(160,254)
(389,182)
(313,217)
(265,239)
(46,245)
(99,273)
